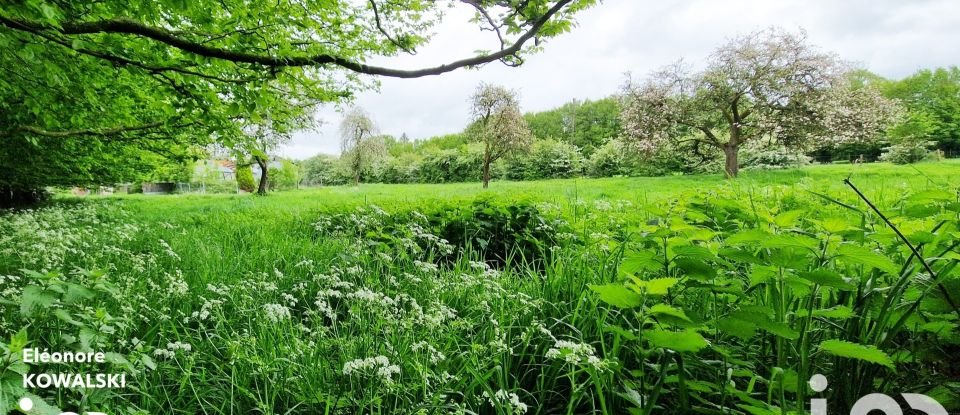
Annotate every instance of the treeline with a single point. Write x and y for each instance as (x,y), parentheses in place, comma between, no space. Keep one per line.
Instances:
(584,138)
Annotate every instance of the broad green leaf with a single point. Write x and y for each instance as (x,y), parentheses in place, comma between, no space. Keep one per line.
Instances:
(680,341)
(626,334)
(857,351)
(790,241)
(695,268)
(856,254)
(736,327)
(35,297)
(617,295)
(789,218)
(77,292)
(635,262)
(840,312)
(18,342)
(64,316)
(666,310)
(763,322)
(656,286)
(738,255)
(827,278)
(692,251)
(748,236)
(760,274)
(836,224)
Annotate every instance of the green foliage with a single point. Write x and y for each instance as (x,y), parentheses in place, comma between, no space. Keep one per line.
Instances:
(92,94)
(245,178)
(907,152)
(932,98)
(324,170)
(286,177)
(852,350)
(547,159)
(586,124)
(504,234)
(629,295)
(448,166)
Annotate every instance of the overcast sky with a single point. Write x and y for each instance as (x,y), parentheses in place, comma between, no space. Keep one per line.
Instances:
(891,37)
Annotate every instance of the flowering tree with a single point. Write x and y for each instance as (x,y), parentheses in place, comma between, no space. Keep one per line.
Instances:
(768,84)
(358,143)
(497,124)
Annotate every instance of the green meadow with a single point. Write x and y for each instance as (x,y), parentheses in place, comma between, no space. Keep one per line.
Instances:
(683,294)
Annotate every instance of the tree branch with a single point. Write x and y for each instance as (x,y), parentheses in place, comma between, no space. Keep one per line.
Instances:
(131,27)
(32,129)
(376,19)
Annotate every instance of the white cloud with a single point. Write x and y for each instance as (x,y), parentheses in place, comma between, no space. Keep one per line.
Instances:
(890,37)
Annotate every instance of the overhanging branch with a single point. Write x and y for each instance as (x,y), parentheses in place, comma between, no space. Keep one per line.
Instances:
(130,27)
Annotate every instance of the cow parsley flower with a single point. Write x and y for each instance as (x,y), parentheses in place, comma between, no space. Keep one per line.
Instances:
(378,366)
(276,312)
(506,399)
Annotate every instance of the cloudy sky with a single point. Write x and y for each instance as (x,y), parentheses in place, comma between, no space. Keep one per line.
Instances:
(891,37)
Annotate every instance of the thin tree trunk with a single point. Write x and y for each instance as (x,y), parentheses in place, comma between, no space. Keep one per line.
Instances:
(732,164)
(486,174)
(262,186)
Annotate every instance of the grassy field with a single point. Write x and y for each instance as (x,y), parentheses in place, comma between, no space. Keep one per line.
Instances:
(623,295)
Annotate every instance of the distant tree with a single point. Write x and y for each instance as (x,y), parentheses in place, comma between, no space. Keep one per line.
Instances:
(497,124)
(586,124)
(932,101)
(404,139)
(359,145)
(321,170)
(264,134)
(768,84)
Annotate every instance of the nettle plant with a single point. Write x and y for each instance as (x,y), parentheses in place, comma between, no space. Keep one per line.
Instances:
(66,313)
(730,303)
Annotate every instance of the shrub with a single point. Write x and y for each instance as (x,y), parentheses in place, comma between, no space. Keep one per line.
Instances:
(245,179)
(772,157)
(285,177)
(446,166)
(547,159)
(609,160)
(404,168)
(906,152)
(516,233)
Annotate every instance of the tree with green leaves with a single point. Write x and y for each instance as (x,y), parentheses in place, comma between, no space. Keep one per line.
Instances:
(932,101)
(88,87)
(586,124)
(497,124)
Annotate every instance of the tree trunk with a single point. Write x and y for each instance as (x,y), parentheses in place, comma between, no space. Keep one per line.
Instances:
(486,174)
(11,197)
(262,186)
(732,164)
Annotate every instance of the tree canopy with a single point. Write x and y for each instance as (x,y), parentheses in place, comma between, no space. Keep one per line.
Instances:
(497,124)
(88,87)
(768,84)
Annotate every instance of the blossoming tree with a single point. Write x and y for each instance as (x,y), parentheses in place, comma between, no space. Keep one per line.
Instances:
(768,84)
(498,124)
(358,143)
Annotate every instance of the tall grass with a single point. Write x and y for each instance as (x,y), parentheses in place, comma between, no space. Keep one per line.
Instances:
(345,300)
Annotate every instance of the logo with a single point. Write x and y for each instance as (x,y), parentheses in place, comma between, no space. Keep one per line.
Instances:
(876,402)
